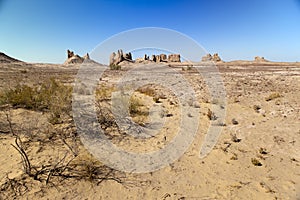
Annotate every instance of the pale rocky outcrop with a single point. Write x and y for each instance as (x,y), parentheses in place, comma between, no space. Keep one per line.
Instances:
(157,58)
(207,57)
(174,58)
(117,58)
(112,58)
(216,58)
(260,59)
(74,58)
(86,56)
(146,57)
(127,56)
(70,53)
(153,58)
(163,58)
(139,60)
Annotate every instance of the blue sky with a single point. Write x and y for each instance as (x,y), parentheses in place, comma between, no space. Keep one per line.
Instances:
(42,30)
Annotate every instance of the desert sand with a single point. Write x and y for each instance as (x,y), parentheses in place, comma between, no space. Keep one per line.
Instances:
(257,155)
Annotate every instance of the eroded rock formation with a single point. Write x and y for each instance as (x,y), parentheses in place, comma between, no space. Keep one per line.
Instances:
(70,53)
(209,57)
(153,58)
(174,58)
(86,56)
(260,59)
(74,58)
(117,58)
(216,58)
(163,58)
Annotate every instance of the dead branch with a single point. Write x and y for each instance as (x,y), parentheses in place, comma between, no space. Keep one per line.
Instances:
(19,147)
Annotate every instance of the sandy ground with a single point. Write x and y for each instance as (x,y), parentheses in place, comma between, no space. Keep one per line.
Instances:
(270,134)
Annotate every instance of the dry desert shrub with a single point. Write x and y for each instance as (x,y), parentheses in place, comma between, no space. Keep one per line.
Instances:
(136,107)
(105,116)
(263,151)
(147,90)
(51,96)
(150,91)
(234,138)
(256,108)
(22,96)
(75,163)
(115,67)
(234,157)
(138,110)
(256,162)
(273,96)
(104,92)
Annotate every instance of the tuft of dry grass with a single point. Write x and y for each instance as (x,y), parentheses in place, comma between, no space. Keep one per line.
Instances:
(256,162)
(104,92)
(234,157)
(273,96)
(138,110)
(135,107)
(147,90)
(256,108)
(263,151)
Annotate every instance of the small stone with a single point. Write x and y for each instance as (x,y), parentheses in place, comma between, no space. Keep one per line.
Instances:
(196,104)
(234,121)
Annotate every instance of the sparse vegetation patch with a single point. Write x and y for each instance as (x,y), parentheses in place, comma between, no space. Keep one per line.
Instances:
(273,96)
(51,96)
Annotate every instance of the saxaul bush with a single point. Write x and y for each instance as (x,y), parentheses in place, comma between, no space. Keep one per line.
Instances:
(51,96)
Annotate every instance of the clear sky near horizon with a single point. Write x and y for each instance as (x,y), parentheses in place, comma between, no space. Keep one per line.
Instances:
(42,30)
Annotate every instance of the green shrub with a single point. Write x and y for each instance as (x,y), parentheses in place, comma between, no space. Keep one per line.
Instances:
(50,96)
(114,67)
(21,96)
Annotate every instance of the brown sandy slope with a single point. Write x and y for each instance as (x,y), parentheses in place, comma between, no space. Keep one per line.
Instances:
(7,59)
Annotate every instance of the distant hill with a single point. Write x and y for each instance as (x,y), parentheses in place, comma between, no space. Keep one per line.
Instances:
(7,59)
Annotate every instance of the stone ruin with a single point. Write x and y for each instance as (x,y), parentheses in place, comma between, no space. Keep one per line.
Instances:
(117,58)
(75,59)
(209,57)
